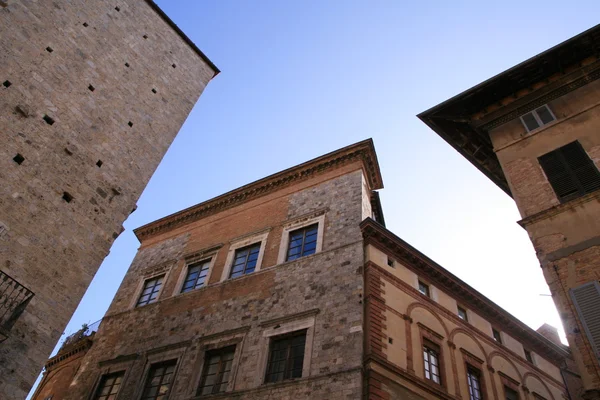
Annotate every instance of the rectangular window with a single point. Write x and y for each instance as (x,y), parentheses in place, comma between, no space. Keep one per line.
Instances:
(537,118)
(286,357)
(431,360)
(528,356)
(303,242)
(570,171)
(462,313)
(244,261)
(510,394)
(150,291)
(496,335)
(217,367)
(160,379)
(196,276)
(474,381)
(424,289)
(109,386)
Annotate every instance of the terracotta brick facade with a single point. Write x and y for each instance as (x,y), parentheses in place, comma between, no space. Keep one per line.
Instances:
(91,96)
(565,231)
(321,292)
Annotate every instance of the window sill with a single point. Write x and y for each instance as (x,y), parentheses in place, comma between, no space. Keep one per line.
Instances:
(557,209)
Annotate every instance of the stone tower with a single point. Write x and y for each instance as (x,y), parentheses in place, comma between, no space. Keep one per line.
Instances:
(534,131)
(92,93)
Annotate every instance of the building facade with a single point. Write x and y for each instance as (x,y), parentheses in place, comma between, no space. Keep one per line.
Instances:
(292,288)
(533,130)
(91,96)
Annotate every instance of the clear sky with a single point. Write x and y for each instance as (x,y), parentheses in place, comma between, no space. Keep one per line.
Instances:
(302,78)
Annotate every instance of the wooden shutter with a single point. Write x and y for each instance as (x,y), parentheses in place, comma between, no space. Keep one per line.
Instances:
(587,302)
(570,171)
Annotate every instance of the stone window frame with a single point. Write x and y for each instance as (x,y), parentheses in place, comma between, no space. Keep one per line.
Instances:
(244,241)
(476,363)
(160,355)
(220,340)
(300,223)
(508,382)
(282,326)
(196,257)
(427,334)
(110,367)
(140,288)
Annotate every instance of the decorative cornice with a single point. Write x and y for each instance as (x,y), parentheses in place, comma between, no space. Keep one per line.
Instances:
(588,74)
(81,346)
(362,151)
(375,234)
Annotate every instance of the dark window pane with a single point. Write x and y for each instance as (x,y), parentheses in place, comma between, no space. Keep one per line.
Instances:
(150,291)
(530,122)
(286,357)
(159,380)
(109,386)
(215,374)
(431,360)
(510,394)
(474,385)
(303,242)
(245,260)
(544,115)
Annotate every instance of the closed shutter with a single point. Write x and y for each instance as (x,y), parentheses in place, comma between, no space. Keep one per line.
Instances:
(570,171)
(587,301)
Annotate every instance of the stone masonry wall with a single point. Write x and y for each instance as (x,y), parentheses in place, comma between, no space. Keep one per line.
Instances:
(92,93)
(326,286)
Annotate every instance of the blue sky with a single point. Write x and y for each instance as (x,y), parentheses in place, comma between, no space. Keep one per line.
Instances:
(302,78)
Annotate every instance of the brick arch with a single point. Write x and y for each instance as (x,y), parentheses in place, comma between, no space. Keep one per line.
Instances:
(456,331)
(417,304)
(497,353)
(533,375)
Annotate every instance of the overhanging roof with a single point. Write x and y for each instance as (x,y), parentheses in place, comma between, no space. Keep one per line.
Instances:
(452,118)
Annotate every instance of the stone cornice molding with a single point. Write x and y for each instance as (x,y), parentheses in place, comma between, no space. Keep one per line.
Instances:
(82,345)
(379,236)
(362,151)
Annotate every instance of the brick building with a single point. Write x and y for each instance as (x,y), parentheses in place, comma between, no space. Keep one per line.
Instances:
(533,130)
(92,93)
(291,287)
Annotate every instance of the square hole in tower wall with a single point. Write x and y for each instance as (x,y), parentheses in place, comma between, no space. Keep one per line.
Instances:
(118,9)
(99,163)
(48,120)
(91,88)
(130,124)
(6,84)
(67,197)
(127,65)
(85,24)
(153,90)
(49,49)
(145,36)
(19,159)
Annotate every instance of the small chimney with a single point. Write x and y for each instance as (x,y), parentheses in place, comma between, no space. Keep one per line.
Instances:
(550,333)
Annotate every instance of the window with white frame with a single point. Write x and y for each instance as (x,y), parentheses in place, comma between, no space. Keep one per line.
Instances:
(150,291)
(196,276)
(245,255)
(286,348)
(539,117)
(301,238)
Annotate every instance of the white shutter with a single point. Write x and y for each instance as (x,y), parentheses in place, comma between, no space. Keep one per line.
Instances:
(587,301)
